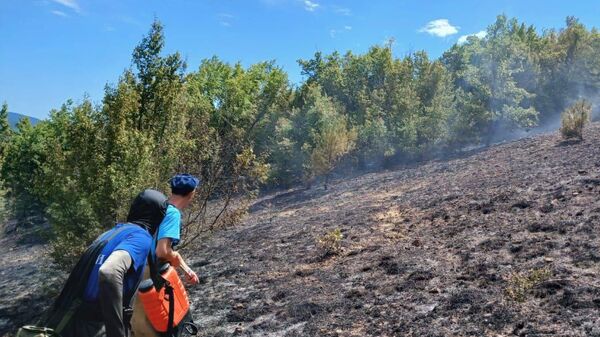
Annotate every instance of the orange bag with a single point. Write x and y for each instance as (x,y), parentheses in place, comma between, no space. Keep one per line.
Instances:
(157,303)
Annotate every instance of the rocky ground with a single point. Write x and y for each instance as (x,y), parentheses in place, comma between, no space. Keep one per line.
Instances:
(503,242)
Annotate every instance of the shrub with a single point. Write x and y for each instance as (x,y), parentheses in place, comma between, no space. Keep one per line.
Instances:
(519,284)
(574,118)
(4,207)
(331,242)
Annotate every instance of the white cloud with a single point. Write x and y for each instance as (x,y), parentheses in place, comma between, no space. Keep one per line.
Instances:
(334,32)
(342,11)
(72,4)
(463,39)
(440,28)
(310,6)
(59,13)
(225,19)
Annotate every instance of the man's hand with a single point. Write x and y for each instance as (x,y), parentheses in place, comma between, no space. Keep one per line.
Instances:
(192,277)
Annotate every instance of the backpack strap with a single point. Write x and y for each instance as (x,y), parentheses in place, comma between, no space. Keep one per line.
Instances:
(128,299)
(191,328)
(128,302)
(171,322)
(128,305)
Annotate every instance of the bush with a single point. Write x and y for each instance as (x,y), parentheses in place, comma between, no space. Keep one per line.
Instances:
(519,284)
(4,207)
(574,118)
(331,242)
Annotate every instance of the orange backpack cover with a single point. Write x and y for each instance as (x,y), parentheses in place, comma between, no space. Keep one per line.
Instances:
(156,303)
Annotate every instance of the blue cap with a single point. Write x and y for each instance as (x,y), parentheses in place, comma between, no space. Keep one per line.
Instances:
(183,184)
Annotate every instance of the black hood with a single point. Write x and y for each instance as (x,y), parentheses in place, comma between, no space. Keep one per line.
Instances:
(148,210)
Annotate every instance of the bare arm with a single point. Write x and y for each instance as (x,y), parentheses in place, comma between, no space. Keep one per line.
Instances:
(165,252)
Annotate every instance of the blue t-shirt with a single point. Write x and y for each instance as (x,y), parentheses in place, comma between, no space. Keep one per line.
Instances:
(133,239)
(170,228)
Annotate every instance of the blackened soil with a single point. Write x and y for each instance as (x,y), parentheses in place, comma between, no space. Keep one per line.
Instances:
(427,251)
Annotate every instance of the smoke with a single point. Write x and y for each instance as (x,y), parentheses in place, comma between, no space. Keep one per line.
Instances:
(566,86)
(505,132)
(595,100)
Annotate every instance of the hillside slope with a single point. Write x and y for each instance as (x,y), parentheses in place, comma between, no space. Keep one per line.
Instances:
(428,251)
(432,250)
(14,118)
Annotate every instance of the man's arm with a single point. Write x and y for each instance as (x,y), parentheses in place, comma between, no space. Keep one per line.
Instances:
(111,277)
(165,252)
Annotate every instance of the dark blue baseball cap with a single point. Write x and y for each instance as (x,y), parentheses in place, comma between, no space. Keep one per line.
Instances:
(184,183)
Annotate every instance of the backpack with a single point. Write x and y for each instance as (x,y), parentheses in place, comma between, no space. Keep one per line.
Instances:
(164,278)
(60,317)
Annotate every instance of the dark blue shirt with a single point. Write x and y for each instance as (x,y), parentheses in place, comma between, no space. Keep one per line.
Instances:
(132,239)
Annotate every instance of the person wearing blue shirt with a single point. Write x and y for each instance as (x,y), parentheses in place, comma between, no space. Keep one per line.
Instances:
(115,268)
(183,191)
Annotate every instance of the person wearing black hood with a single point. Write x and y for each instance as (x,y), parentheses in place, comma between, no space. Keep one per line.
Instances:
(111,280)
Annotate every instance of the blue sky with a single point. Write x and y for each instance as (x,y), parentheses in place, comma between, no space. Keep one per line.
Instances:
(53,50)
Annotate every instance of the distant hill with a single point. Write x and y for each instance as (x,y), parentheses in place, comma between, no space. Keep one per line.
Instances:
(14,118)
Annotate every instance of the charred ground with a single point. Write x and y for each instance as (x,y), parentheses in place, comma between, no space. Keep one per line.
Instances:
(439,249)
(428,251)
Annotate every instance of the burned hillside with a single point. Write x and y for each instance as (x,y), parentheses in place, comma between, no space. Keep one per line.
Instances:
(501,242)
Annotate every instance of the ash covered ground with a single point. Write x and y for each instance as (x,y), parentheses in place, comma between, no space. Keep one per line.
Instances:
(503,242)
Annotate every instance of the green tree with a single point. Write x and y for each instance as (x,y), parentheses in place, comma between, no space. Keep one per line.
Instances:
(433,86)
(5,138)
(493,71)
(159,80)
(5,130)
(317,135)
(129,154)
(22,168)
(232,113)
(334,141)
(568,68)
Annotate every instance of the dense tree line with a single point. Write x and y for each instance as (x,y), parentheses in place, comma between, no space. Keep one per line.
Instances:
(245,128)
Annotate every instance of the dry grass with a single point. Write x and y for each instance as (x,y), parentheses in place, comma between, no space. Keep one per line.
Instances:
(520,284)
